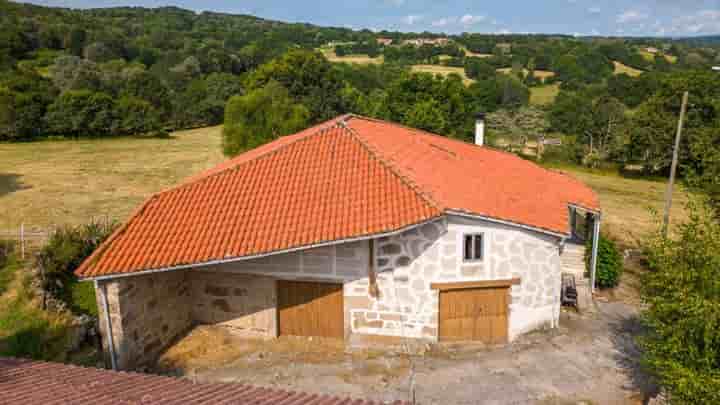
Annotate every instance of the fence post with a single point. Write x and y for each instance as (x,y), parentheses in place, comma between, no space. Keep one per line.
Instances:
(22,240)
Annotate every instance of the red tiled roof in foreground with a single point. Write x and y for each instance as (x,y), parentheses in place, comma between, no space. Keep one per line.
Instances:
(350,177)
(36,382)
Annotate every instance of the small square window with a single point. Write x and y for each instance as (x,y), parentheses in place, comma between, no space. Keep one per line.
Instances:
(473,248)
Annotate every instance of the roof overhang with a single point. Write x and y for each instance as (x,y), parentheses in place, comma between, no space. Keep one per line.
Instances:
(509,223)
(261,255)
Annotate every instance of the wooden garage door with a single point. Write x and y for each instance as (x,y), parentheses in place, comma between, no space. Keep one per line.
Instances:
(474,314)
(310,309)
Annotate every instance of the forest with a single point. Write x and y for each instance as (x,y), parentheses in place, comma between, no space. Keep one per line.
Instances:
(144,72)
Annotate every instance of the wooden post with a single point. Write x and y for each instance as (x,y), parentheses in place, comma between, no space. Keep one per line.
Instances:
(673,167)
(22,241)
(594,253)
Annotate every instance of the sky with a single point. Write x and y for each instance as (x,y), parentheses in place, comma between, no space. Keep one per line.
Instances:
(574,17)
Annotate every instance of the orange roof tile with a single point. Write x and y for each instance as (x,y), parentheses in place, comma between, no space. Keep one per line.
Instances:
(350,177)
(37,382)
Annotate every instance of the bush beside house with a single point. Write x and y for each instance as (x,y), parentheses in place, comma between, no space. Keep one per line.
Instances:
(609,262)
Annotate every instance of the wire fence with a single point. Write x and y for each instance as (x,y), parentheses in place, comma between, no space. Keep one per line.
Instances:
(28,239)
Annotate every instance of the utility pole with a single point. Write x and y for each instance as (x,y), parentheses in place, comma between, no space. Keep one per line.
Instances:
(673,167)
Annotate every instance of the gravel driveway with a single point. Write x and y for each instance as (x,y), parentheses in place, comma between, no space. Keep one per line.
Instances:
(590,359)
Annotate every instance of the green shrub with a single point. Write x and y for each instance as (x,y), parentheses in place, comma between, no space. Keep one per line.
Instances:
(64,252)
(681,293)
(609,263)
(7,247)
(7,273)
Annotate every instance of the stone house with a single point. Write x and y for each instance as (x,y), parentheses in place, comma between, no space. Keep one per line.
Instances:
(356,229)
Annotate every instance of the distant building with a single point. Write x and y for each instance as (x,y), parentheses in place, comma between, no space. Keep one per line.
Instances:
(716,68)
(652,50)
(385,41)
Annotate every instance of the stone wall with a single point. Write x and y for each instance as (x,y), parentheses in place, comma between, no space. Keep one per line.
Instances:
(244,303)
(408,263)
(147,314)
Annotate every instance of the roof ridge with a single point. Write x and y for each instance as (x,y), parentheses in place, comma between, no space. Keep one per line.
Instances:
(486,147)
(424,194)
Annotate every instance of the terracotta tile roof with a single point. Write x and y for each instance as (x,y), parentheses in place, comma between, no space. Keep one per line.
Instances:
(460,176)
(35,382)
(347,178)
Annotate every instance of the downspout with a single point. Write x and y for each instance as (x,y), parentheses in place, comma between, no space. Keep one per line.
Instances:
(108,324)
(593,258)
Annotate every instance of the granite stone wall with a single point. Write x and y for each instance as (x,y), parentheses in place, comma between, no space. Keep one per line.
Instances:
(147,314)
(408,263)
(241,302)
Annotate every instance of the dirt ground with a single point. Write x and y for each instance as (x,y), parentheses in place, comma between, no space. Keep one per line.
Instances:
(590,359)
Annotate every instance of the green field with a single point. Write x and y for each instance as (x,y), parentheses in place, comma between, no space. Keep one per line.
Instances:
(545,94)
(69,182)
(628,203)
(59,182)
(443,70)
(620,69)
(356,59)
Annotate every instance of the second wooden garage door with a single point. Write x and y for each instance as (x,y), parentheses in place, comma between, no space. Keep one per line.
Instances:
(310,309)
(474,314)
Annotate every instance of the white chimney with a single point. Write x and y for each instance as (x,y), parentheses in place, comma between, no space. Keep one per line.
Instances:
(480,129)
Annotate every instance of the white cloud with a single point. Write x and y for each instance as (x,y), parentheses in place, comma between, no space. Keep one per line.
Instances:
(412,19)
(594,10)
(631,16)
(704,21)
(468,19)
(442,22)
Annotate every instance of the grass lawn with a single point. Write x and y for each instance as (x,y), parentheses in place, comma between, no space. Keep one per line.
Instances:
(540,74)
(25,329)
(620,69)
(443,70)
(69,182)
(545,94)
(627,202)
(357,59)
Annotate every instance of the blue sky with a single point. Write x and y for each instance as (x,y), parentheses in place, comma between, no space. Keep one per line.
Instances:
(583,17)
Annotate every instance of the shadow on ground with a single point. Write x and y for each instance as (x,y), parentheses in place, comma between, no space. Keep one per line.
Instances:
(624,332)
(10,183)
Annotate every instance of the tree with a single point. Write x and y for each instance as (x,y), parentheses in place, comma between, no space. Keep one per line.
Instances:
(73,73)
(309,79)
(134,116)
(477,68)
(681,293)
(79,113)
(517,126)
(426,115)
(261,116)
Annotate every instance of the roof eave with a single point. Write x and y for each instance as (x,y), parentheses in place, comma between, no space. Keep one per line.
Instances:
(261,255)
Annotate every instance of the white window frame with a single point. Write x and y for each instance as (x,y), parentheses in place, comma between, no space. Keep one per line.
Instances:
(472,248)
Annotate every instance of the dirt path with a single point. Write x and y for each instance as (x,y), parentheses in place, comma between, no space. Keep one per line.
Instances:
(589,359)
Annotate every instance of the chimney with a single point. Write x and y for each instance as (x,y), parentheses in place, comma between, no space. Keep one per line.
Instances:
(480,129)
